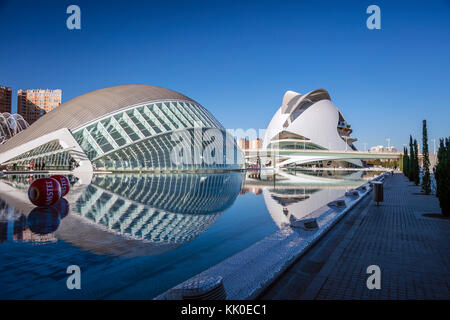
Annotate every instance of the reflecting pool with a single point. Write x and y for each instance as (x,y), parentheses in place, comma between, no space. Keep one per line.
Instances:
(135,236)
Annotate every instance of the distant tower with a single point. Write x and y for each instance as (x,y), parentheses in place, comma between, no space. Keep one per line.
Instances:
(33,104)
(243,143)
(256,144)
(5,99)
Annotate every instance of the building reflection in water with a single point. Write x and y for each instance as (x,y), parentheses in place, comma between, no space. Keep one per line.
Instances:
(144,214)
(295,194)
(36,226)
(165,208)
(284,203)
(122,214)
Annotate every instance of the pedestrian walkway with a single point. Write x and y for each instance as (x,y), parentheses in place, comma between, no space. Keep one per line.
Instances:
(412,251)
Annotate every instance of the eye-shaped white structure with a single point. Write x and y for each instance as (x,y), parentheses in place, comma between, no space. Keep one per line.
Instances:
(309,121)
(125,128)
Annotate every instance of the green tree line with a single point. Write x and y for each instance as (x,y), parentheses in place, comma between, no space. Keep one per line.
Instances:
(411,168)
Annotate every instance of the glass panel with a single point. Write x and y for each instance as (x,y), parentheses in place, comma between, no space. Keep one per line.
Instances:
(130,132)
(175,107)
(196,115)
(155,153)
(160,117)
(171,115)
(146,115)
(141,126)
(85,144)
(109,126)
(96,132)
(46,156)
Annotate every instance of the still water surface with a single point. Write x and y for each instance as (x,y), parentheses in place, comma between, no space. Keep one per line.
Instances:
(135,236)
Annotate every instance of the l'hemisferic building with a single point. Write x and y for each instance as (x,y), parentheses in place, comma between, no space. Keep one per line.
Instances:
(125,128)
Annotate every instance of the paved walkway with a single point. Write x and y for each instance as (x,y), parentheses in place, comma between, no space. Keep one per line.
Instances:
(412,251)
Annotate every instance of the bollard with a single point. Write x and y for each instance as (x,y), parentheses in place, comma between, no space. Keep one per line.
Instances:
(207,288)
(306,224)
(377,191)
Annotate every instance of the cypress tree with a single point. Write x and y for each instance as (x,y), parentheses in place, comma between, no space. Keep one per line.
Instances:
(426,180)
(411,160)
(416,174)
(401,161)
(405,161)
(442,175)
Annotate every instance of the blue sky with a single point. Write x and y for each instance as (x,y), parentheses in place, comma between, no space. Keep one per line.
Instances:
(237,58)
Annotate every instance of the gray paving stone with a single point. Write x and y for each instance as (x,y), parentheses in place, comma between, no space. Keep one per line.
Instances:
(413,252)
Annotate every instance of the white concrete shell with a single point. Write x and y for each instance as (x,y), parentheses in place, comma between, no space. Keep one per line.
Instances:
(312,118)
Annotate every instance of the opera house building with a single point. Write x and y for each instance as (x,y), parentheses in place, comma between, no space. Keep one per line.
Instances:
(309,121)
(124,128)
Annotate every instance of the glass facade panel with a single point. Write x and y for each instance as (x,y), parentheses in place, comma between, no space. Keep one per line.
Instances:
(150,120)
(161,118)
(173,107)
(198,118)
(140,138)
(295,145)
(86,144)
(159,153)
(113,132)
(139,124)
(49,156)
(123,123)
(100,137)
(181,107)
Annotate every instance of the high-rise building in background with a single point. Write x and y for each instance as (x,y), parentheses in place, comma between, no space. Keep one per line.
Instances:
(5,99)
(242,143)
(255,144)
(245,144)
(33,104)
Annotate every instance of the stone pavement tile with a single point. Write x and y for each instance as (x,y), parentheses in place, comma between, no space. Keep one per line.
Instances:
(413,251)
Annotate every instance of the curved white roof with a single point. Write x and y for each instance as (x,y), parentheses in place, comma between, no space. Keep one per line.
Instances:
(310,115)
